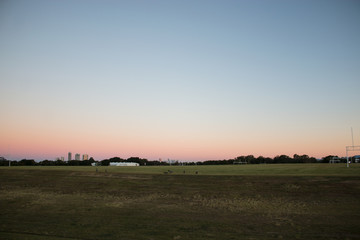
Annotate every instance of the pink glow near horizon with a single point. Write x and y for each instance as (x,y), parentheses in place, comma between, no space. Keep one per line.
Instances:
(43,146)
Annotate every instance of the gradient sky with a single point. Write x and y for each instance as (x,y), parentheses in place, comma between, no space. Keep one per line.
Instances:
(185,80)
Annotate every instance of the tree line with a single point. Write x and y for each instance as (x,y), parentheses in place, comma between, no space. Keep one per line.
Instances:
(249,159)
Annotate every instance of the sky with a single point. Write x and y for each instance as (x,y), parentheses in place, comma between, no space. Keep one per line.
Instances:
(184,80)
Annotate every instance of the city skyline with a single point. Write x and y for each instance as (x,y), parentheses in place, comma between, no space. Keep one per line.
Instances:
(181,80)
(85,156)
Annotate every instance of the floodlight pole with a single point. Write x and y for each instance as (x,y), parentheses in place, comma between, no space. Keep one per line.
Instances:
(350,148)
(8,155)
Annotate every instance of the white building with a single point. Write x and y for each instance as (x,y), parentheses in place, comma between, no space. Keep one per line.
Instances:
(124,164)
(77,156)
(171,162)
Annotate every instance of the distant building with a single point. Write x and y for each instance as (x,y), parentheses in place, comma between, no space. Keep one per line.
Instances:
(62,158)
(77,156)
(85,157)
(69,156)
(123,164)
(171,162)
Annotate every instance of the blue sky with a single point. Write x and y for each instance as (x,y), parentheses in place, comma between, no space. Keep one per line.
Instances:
(190,80)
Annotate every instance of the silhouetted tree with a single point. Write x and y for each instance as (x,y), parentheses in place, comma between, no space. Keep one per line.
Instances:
(27,162)
(260,159)
(60,163)
(250,159)
(4,161)
(327,158)
(47,163)
(105,162)
(74,163)
(240,159)
(116,159)
(282,159)
(140,161)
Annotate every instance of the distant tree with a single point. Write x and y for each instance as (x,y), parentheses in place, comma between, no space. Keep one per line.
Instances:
(303,159)
(250,159)
(27,162)
(260,159)
(211,162)
(217,162)
(153,163)
(14,163)
(4,161)
(282,159)
(312,160)
(140,161)
(116,159)
(240,159)
(327,158)
(74,163)
(268,160)
(230,161)
(85,163)
(300,159)
(156,163)
(105,162)
(47,163)
(296,158)
(60,163)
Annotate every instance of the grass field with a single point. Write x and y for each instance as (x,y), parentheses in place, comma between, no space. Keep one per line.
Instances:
(251,169)
(300,201)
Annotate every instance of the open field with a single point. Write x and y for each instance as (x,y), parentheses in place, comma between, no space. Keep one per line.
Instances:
(250,169)
(315,201)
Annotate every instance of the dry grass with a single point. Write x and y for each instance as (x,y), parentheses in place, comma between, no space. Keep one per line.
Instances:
(88,205)
(272,206)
